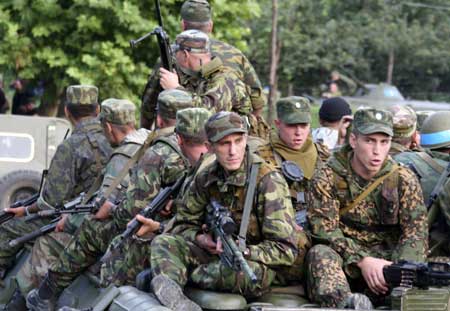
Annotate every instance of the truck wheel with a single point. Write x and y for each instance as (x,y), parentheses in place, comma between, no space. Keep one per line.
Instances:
(18,185)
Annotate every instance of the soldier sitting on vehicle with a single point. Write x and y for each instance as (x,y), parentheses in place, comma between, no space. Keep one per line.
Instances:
(367,211)
(190,251)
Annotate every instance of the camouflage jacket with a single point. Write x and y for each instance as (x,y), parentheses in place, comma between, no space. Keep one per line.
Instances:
(219,89)
(160,166)
(389,223)
(76,163)
(270,235)
(232,58)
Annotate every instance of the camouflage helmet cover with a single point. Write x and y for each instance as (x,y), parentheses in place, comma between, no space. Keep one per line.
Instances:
(368,121)
(223,124)
(118,111)
(193,41)
(294,110)
(170,101)
(404,120)
(191,122)
(435,132)
(82,95)
(198,11)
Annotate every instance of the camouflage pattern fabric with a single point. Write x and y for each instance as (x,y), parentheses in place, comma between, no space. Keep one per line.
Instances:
(223,124)
(390,223)
(196,11)
(191,122)
(232,60)
(370,120)
(193,41)
(118,111)
(170,101)
(404,120)
(72,170)
(294,110)
(47,248)
(270,235)
(160,166)
(397,148)
(82,95)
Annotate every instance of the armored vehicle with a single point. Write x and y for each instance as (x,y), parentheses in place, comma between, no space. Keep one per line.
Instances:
(27,145)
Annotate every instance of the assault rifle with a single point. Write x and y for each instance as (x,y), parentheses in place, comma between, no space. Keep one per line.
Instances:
(163,41)
(223,227)
(5,216)
(423,275)
(157,204)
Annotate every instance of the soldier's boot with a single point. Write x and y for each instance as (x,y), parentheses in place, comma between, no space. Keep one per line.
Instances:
(358,301)
(171,295)
(16,303)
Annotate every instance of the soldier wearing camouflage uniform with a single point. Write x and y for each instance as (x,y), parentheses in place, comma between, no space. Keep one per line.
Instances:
(118,121)
(196,14)
(122,269)
(405,136)
(215,88)
(76,163)
(429,165)
(368,211)
(190,253)
(293,142)
(160,166)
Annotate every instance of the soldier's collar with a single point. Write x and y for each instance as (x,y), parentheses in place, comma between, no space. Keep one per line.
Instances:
(223,180)
(207,69)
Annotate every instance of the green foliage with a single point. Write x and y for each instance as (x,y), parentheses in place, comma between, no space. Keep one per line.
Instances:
(63,42)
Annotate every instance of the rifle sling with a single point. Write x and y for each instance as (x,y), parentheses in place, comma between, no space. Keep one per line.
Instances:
(431,162)
(248,204)
(367,191)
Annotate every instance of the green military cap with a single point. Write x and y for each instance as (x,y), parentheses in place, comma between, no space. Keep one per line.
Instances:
(82,95)
(198,11)
(193,41)
(170,101)
(369,121)
(293,110)
(118,111)
(404,120)
(223,124)
(191,122)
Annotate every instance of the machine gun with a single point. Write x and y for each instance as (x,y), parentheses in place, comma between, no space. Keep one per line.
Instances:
(165,51)
(157,204)
(223,227)
(422,275)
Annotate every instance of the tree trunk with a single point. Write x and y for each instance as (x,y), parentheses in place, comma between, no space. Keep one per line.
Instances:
(50,100)
(390,69)
(274,60)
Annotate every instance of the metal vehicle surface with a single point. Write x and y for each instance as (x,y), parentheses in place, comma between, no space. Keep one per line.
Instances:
(27,145)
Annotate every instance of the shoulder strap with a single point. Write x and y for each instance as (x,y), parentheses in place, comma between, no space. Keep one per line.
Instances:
(431,162)
(367,191)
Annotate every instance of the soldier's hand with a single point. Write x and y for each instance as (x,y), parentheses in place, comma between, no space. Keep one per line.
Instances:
(104,211)
(167,209)
(60,225)
(372,271)
(18,211)
(148,225)
(206,241)
(168,80)
(344,124)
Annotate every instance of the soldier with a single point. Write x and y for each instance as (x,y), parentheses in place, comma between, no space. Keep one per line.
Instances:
(405,136)
(160,166)
(293,142)
(118,122)
(368,211)
(218,88)
(76,163)
(270,237)
(123,268)
(430,165)
(196,14)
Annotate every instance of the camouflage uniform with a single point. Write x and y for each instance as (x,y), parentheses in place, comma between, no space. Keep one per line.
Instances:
(270,237)
(233,60)
(134,256)
(48,247)
(390,222)
(405,125)
(160,166)
(311,157)
(76,163)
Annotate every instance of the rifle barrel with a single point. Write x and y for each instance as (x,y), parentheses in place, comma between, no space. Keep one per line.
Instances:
(31,236)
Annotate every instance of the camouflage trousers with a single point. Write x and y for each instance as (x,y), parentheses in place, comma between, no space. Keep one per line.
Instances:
(126,262)
(84,250)
(13,229)
(326,281)
(45,251)
(175,257)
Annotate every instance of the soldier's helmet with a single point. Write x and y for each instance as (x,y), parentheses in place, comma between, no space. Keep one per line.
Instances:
(435,131)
